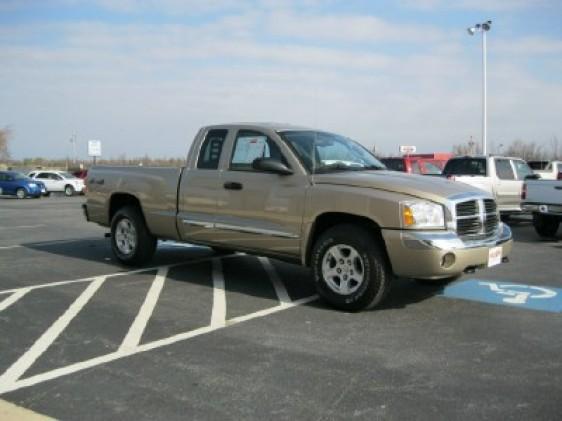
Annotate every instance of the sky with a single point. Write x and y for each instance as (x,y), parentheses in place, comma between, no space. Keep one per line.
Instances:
(142,76)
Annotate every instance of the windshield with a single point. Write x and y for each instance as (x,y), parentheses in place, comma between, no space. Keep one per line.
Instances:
(322,152)
(466,166)
(19,176)
(522,169)
(431,169)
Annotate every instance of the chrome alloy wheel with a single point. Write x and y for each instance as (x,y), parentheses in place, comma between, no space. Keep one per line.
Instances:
(126,236)
(343,269)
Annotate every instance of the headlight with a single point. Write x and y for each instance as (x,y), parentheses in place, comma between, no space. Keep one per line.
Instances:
(32,185)
(422,214)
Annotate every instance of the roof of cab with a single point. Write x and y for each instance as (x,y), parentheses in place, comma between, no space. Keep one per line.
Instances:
(265,125)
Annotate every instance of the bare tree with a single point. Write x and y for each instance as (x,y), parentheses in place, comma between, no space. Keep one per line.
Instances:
(4,140)
(468,148)
(526,150)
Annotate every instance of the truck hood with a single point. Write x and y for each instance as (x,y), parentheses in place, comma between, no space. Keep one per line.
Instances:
(432,188)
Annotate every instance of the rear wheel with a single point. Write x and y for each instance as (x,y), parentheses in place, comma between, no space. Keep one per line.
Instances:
(131,241)
(68,190)
(350,269)
(21,193)
(545,225)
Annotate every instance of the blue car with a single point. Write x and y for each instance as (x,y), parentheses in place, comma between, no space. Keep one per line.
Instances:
(16,184)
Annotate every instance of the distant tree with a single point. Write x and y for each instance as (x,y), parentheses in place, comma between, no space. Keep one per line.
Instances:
(529,151)
(4,140)
(469,148)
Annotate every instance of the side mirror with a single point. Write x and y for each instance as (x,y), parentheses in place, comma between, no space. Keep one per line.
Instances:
(271,165)
(532,177)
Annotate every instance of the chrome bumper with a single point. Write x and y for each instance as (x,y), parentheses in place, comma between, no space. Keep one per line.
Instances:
(433,255)
(545,208)
(450,241)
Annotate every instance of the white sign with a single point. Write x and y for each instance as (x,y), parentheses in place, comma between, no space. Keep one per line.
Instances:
(94,147)
(405,149)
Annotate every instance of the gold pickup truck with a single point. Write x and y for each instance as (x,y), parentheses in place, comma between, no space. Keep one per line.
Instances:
(310,197)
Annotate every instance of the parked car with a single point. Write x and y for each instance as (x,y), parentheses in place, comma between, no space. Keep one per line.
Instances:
(17,184)
(543,198)
(305,196)
(426,164)
(59,181)
(553,171)
(498,175)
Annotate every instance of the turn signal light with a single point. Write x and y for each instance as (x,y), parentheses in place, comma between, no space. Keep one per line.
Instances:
(408,216)
(559,176)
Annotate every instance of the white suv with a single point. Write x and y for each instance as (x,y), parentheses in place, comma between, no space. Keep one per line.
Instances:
(59,181)
(499,175)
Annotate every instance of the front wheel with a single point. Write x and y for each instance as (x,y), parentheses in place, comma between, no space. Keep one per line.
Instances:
(21,193)
(350,269)
(545,225)
(68,190)
(131,241)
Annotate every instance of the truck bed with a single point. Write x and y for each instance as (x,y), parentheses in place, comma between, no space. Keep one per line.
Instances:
(155,188)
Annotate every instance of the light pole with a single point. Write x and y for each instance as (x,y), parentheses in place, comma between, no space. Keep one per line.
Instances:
(483,28)
(73,141)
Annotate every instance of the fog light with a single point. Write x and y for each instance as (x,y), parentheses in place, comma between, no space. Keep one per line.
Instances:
(448,260)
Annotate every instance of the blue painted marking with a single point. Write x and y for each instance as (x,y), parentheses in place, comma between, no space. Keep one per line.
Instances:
(531,297)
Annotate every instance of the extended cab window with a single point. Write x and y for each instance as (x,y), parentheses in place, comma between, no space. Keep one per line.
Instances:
(466,166)
(249,146)
(522,169)
(211,149)
(504,170)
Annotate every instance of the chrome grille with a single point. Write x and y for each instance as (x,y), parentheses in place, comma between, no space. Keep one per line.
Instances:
(476,218)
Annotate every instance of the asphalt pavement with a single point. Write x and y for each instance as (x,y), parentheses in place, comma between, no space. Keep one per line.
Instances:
(195,335)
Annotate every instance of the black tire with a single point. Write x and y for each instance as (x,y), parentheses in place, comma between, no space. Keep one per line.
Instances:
(546,225)
(375,270)
(47,193)
(143,243)
(68,190)
(21,193)
(221,250)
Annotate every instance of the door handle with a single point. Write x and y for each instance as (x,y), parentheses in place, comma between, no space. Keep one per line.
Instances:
(232,185)
(558,187)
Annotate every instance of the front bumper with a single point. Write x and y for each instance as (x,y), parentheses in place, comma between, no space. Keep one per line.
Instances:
(420,254)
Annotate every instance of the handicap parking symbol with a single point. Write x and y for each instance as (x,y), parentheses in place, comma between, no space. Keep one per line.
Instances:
(531,297)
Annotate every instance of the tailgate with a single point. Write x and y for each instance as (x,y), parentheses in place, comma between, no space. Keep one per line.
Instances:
(544,191)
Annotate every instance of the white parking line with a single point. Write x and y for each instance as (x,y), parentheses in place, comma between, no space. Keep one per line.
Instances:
(112,275)
(280,289)
(218,314)
(13,298)
(133,337)
(83,365)
(17,369)
(11,379)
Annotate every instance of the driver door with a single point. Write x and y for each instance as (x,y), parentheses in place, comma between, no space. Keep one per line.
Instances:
(259,210)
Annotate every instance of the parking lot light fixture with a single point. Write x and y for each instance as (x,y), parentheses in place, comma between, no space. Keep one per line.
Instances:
(482,28)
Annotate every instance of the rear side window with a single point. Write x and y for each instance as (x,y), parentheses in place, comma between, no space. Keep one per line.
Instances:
(465,166)
(251,145)
(431,168)
(43,175)
(504,170)
(211,149)
(394,164)
(522,169)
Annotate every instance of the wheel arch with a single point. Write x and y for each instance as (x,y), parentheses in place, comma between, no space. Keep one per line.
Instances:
(120,200)
(328,220)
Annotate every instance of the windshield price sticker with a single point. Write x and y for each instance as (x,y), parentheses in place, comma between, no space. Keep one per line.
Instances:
(494,256)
